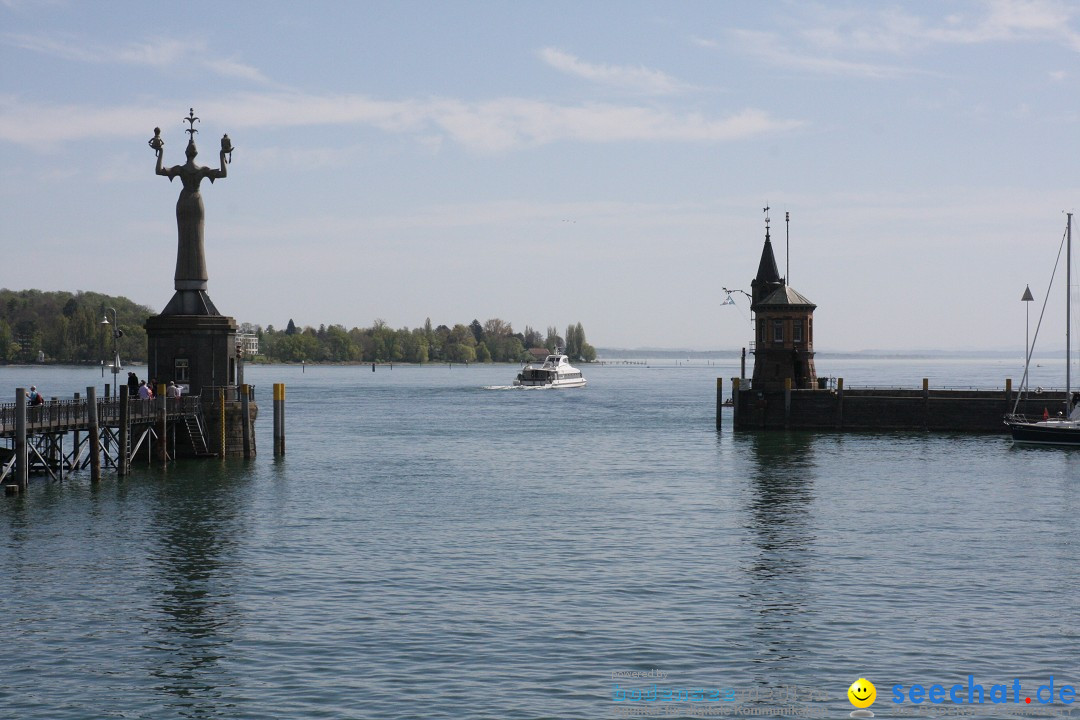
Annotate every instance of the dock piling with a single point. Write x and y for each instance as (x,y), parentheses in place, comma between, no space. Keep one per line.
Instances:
(247,425)
(123,458)
(161,401)
(279,419)
(719,400)
(22,470)
(94,438)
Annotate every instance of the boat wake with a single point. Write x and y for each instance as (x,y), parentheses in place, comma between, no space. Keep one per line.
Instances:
(518,387)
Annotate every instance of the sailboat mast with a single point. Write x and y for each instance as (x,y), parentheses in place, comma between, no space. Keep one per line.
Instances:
(1068,315)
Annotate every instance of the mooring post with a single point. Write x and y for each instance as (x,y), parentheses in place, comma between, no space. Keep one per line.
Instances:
(279,419)
(75,434)
(125,420)
(742,364)
(839,403)
(736,385)
(244,420)
(162,402)
(221,399)
(787,403)
(1008,394)
(719,400)
(926,403)
(22,472)
(94,439)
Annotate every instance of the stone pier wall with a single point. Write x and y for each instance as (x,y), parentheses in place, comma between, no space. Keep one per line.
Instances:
(886,409)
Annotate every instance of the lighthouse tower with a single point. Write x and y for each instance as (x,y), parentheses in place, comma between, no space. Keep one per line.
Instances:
(783,344)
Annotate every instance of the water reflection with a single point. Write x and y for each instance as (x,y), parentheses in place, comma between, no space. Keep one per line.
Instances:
(777,515)
(198,520)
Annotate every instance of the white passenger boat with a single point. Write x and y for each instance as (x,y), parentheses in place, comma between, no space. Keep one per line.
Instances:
(556,371)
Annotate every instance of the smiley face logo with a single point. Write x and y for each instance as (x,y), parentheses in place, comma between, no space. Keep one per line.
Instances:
(862,693)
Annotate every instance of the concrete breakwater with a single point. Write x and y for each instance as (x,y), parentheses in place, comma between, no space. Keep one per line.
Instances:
(882,408)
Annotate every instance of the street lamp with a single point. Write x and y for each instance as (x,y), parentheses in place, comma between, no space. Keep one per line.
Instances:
(117,333)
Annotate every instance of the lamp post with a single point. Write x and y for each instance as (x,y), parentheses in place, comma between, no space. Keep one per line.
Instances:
(117,333)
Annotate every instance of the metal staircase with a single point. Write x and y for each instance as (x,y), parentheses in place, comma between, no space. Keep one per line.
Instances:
(198,436)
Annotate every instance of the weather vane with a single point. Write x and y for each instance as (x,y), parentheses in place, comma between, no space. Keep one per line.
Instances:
(766,211)
(191,120)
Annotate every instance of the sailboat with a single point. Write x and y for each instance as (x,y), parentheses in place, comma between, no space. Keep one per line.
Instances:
(1065,429)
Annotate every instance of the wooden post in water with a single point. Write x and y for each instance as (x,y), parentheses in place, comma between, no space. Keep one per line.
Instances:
(221,399)
(736,385)
(839,403)
(279,419)
(787,403)
(94,439)
(244,420)
(926,403)
(162,403)
(125,420)
(22,471)
(719,400)
(75,444)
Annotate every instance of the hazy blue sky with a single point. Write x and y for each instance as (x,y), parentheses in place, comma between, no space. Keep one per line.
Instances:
(554,162)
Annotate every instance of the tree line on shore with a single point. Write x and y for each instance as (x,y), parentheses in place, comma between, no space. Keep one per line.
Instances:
(492,341)
(65,327)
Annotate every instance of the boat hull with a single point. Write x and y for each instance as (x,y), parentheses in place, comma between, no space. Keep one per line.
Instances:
(575,383)
(1048,432)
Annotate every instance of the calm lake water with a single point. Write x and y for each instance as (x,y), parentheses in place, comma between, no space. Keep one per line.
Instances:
(434,548)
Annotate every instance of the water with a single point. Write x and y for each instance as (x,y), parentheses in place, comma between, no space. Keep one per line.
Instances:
(431,548)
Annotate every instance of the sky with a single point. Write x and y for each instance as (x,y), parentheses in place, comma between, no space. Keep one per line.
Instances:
(550,163)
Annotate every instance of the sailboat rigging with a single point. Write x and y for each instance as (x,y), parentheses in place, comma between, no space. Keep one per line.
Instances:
(1063,430)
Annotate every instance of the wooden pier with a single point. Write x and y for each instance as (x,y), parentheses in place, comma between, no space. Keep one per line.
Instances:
(109,432)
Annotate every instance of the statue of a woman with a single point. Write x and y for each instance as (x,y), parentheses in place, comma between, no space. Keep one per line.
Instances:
(190,256)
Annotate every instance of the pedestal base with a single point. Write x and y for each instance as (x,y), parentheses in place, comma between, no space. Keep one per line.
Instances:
(195,351)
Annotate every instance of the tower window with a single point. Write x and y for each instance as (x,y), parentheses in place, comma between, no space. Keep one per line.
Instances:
(778,331)
(796,331)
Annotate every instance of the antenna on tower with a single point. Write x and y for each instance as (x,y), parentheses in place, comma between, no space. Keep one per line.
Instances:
(787,247)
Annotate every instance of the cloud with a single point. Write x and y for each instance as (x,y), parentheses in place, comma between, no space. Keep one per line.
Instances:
(162,53)
(770,48)
(488,126)
(842,41)
(637,79)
